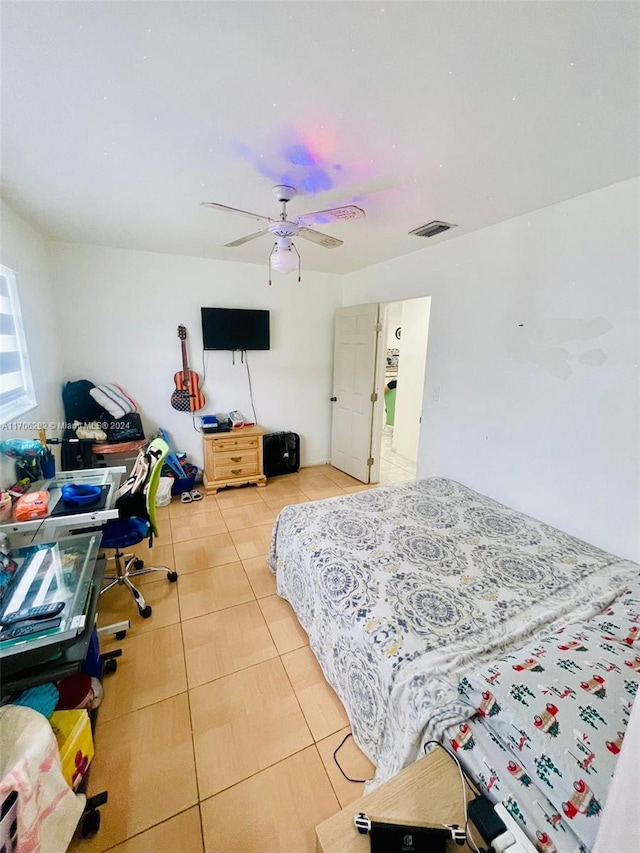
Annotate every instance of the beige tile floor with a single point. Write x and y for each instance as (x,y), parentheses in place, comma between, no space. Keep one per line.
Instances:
(217,732)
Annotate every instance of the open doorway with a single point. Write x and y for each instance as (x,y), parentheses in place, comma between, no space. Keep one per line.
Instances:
(407,331)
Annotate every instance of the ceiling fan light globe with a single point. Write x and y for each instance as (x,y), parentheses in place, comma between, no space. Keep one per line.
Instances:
(284,261)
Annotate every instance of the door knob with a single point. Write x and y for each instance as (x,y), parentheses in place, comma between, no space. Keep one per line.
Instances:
(333,399)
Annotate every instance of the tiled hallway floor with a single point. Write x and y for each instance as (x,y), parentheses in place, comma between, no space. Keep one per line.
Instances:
(217,731)
(394,468)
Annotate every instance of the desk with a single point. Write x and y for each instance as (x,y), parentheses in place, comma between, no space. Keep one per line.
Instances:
(56,653)
(50,529)
(31,668)
(426,792)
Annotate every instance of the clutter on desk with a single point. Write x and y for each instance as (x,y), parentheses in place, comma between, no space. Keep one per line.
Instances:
(34,460)
(27,454)
(16,448)
(6,506)
(7,564)
(47,459)
(81,494)
(32,506)
(28,468)
(20,487)
(47,463)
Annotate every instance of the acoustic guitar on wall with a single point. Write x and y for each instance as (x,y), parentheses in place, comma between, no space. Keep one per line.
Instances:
(187,397)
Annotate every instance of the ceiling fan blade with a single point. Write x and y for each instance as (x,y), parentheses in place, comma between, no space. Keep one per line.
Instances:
(334,214)
(224,207)
(246,239)
(321,239)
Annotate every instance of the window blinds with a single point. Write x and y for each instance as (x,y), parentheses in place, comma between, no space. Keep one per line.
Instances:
(16,387)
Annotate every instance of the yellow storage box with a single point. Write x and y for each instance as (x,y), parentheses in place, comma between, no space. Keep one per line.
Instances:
(75,742)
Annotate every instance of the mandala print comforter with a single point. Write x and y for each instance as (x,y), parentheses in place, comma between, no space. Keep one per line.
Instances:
(402,590)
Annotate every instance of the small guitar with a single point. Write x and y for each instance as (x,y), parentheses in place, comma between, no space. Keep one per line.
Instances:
(187,397)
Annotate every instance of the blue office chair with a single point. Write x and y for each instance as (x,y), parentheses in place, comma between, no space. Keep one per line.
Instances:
(137,522)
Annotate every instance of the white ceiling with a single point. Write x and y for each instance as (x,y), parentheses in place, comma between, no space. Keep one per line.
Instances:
(118,118)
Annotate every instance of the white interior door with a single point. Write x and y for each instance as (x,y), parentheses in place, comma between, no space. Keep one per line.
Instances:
(354,376)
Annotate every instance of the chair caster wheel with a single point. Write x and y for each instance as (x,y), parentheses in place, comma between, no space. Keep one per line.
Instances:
(120,635)
(110,666)
(172,577)
(90,823)
(145,612)
(138,564)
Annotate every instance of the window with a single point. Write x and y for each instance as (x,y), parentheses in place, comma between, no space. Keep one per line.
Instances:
(16,385)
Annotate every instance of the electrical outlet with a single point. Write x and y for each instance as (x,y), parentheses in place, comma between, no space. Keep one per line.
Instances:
(436,393)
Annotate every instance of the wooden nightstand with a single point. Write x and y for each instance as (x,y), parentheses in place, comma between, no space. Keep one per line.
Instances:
(426,792)
(233,458)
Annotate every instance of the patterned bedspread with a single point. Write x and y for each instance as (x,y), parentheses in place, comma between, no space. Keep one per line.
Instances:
(402,590)
(550,722)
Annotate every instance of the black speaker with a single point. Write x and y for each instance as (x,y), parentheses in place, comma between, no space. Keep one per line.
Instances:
(281,452)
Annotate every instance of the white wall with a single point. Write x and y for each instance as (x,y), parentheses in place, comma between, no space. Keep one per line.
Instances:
(24,251)
(534,352)
(411,370)
(119,312)
(394,321)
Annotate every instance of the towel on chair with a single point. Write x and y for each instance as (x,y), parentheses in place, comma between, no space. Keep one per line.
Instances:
(48,810)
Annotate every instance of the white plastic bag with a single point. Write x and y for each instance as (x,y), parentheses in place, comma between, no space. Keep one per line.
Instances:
(163,495)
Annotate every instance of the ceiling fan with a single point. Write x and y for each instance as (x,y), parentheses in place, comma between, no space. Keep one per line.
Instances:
(284,256)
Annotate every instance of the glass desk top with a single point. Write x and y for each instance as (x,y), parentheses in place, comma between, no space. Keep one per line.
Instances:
(54,576)
(50,527)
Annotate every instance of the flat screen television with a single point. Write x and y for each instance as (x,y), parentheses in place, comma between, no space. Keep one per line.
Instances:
(235,329)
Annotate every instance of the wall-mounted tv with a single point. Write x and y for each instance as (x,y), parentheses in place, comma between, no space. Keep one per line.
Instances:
(235,329)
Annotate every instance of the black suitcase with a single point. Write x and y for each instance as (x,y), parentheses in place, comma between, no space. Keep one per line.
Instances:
(281,453)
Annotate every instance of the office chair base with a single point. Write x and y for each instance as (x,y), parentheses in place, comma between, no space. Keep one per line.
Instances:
(132,567)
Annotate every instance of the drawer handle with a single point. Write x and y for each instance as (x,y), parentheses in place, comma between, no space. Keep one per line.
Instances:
(236,470)
(236,458)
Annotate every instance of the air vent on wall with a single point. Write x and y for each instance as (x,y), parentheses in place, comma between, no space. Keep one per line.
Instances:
(432,228)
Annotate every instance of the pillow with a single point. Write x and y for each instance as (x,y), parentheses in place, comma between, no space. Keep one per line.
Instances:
(113,400)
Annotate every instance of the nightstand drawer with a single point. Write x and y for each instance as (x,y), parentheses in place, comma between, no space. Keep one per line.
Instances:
(245,459)
(227,444)
(231,470)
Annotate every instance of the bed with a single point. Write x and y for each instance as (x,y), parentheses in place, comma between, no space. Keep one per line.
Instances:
(406,590)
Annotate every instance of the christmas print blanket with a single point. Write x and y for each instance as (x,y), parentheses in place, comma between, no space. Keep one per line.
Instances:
(403,590)
(550,721)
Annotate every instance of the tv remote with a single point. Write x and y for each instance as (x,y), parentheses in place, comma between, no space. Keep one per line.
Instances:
(31,628)
(44,611)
